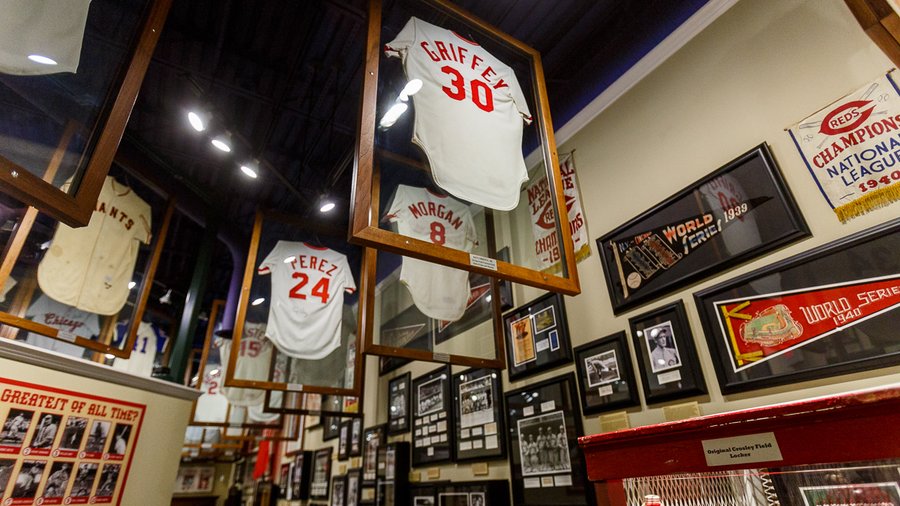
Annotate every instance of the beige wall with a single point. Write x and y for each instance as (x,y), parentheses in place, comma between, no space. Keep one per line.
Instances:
(158,451)
(757,69)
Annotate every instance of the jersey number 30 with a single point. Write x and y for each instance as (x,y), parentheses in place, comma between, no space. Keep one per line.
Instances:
(482,96)
(319,290)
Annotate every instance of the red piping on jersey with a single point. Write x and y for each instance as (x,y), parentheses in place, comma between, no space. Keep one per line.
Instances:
(438,195)
(465,39)
(320,248)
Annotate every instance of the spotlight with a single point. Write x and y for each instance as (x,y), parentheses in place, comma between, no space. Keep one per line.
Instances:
(43,60)
(249,171)
(222,143)
(258,301)
(198,120)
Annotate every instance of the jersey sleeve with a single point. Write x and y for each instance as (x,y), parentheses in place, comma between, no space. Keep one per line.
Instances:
(518,97)
(471,232)
(271,260)
(402,41)
(349,282)
(145,222)
(396,206)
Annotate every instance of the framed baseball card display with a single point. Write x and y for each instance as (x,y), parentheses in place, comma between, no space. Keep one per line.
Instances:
(373,439)
(321,474)
(831,310)
(300,475)
(478,415)
(475,493)
(666,354)
(454,142)
(432,439)
(546,463)
(537,337)
(399,398)
(356,433)
(605,375)
(338,490)
(302,279)
(737,213)
(344,440)
(354,486)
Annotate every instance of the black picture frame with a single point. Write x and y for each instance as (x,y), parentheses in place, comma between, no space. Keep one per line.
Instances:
(399,398)
(338,490)
(542,480)
(671,371)
(344,441)
(373,438)
(537,337)
(353,494)
(605,375)
(745,206)
(478,415)
(300,478)
(432,421)
(320,481)
(331,427)
(356,435)
(473,493)
(422,495)
(392,483)
(835,326)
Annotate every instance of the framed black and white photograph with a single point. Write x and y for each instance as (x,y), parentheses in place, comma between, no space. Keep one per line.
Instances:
(344,441)
(478,412)
(474,493)
(398,404)
(432,421)
(546,464)
(373,438)
(321,474)
(356,433)
(300,475)
(338,490)
(828,311)
(284,482)
(666,354)
(537,337)
(16,425)
(737,213)
(331,427)
(354,487)
(605,375)
(422,495)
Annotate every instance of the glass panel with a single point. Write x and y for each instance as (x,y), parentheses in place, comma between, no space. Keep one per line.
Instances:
(60,66)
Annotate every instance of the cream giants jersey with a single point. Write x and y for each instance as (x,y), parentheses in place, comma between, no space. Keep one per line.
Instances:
(469,114)
(439,292)
(90,267)
(308,285)
(253,363)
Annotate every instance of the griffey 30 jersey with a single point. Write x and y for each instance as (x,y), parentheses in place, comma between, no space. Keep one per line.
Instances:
(308,285)
(253,363)
(469,114)
(439,292)
(90,267)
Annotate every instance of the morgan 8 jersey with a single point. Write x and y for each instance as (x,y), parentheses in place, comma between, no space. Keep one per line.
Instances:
(438,291)
(308,285)
(469,114)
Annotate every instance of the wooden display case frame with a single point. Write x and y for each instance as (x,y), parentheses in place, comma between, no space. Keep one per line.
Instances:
(364,325)
(296,407)
(75,210)
(365,199)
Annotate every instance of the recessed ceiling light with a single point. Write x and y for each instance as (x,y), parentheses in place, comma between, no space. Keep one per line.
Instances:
(221,143)
(197,121)
(43,60)
(327,206)
(258,301)
(248,171)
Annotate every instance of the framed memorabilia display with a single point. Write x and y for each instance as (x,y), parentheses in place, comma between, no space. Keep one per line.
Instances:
(190,480)
(354,486)
(338,490)
(432,439)
(537,337)
(478,415)
(321,474)
(666,354)
(344,440)
(546,463)
(398,404)
(331,427)
(284,481)
(373,438)
(831,310)
(356,430)
(393,474)
(300,475)
(605,375)
(737,213)
(422,495)
(473,493)
(863,483)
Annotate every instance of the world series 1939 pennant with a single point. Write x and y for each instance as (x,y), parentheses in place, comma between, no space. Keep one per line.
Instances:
(762,327)
(852,148)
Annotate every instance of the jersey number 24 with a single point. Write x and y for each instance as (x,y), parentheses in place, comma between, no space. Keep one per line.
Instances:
(320,289)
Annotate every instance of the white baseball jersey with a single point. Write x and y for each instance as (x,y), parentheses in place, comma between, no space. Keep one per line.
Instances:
(212,405)
(147,344)
(308,285)
(65,319)
(438,291)
(469,114)
(90,267)
(253,364)
(47,28)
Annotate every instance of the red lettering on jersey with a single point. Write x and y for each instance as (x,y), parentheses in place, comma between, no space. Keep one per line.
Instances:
(58,321)
(462,54)
(423,209)
(312,263)
(331,270)
(476,61)
(488,73)
(113,212)
(442,50)
(430,53)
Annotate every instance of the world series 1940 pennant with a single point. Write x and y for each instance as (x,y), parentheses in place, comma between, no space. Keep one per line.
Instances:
(852,148)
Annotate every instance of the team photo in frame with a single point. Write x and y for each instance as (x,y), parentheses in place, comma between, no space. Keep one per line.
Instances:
(399,398)
(433,436)
(537,337)
(478,412)
(605,375)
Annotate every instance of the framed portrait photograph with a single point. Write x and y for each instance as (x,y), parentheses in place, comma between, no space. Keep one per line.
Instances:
(398,404)
(338,490)
(737,213)
(331,427)
(373,439)
(433,436)
(478,415)
(666,354)
(605,375)
(537,337)
(321,474)
(354,487)
(829,311)
(344,440)
(300,475)
(356,433)
(546,464)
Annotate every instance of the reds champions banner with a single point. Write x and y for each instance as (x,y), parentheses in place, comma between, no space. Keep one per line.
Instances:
(543,222)
(63,447)
(762,327)
(852,148)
